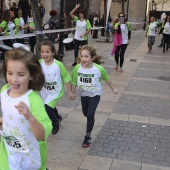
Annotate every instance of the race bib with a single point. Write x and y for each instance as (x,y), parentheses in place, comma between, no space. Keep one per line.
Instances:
(16,144)
(51,86)
(86,80)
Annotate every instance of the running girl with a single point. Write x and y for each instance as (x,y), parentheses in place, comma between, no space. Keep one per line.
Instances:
(87,76)
(26,124)
(55,77)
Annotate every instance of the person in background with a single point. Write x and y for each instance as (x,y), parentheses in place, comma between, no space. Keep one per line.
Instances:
(166,33)
(95,24)
(25,6)
(53,25)
(31,28)
(91,21)
(151,33)
(22,25)
(67,24)
(123,29)
(102,25)
(4,30)
(41,11)
(83,27)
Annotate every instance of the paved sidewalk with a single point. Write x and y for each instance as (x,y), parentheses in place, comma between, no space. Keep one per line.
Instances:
(132,129)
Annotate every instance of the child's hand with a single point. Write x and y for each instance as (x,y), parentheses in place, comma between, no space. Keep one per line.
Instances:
(71,96)
(23,110)
(115,91)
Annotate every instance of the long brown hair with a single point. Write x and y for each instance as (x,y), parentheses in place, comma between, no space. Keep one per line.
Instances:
(92,52)
(32,64)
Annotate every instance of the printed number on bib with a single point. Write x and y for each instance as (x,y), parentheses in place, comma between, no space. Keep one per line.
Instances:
(86,81)
(17,145)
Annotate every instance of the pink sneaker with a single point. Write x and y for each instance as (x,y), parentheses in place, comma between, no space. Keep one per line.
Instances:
(116,68)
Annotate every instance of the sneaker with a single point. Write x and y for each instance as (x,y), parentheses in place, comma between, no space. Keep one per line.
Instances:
(74,64)
(120,70)
(60,118)
(87,141)
(116,68)
(56,127)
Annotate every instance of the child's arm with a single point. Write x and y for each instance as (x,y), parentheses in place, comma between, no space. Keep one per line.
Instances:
(111,86)
(73,88)
(71,95)
(36,127)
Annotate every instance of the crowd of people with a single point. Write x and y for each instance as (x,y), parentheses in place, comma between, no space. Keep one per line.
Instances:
(34,87)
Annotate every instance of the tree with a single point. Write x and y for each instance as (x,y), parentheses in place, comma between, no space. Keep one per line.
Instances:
(123,4)
(38,24)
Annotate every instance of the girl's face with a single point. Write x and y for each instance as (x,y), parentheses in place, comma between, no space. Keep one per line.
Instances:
(11,14)
(47,54)
(86,59)
(20,13)
(18,77)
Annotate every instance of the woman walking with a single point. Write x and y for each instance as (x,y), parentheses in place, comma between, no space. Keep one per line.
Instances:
(123,34)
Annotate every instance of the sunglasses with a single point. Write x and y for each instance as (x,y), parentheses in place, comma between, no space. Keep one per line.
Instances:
(121,16)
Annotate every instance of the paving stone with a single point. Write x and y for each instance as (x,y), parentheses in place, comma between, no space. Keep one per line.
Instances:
(144,106)
(149,146)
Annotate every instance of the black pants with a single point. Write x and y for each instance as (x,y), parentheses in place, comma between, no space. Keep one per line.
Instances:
(89,105)
(119,53)
(32,42)
(166,42)
(77,43)
(95,33)
(52,113)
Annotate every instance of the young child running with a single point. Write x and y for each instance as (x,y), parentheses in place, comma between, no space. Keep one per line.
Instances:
(26,124)
(87,75)
(55,77)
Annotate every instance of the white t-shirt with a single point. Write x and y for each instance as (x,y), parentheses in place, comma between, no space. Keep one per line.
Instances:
(55,77)
(166,28)
(20,150)
(89,79)
(124,29)
(22,24)
(11,27)
(152,29)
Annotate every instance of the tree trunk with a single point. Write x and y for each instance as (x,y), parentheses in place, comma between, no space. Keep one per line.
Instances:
(38,25)
(123,4)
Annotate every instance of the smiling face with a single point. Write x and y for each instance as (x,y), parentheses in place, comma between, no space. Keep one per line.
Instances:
(86,59)
(18,77)
(47,54)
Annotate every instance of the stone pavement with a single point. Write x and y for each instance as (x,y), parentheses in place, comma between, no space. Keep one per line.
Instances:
(132,129)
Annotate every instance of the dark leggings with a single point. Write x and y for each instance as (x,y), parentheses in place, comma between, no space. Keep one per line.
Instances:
(32,42)
(119,53)
(89,105)
(166,42)
(77,43)
(52,113)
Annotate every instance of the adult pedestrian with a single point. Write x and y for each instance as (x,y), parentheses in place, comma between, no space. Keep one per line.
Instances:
(166,33)
(151,32)
(67,24)
(83,27)
(41,11)
(53,24)
(95,24)
(123,33)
